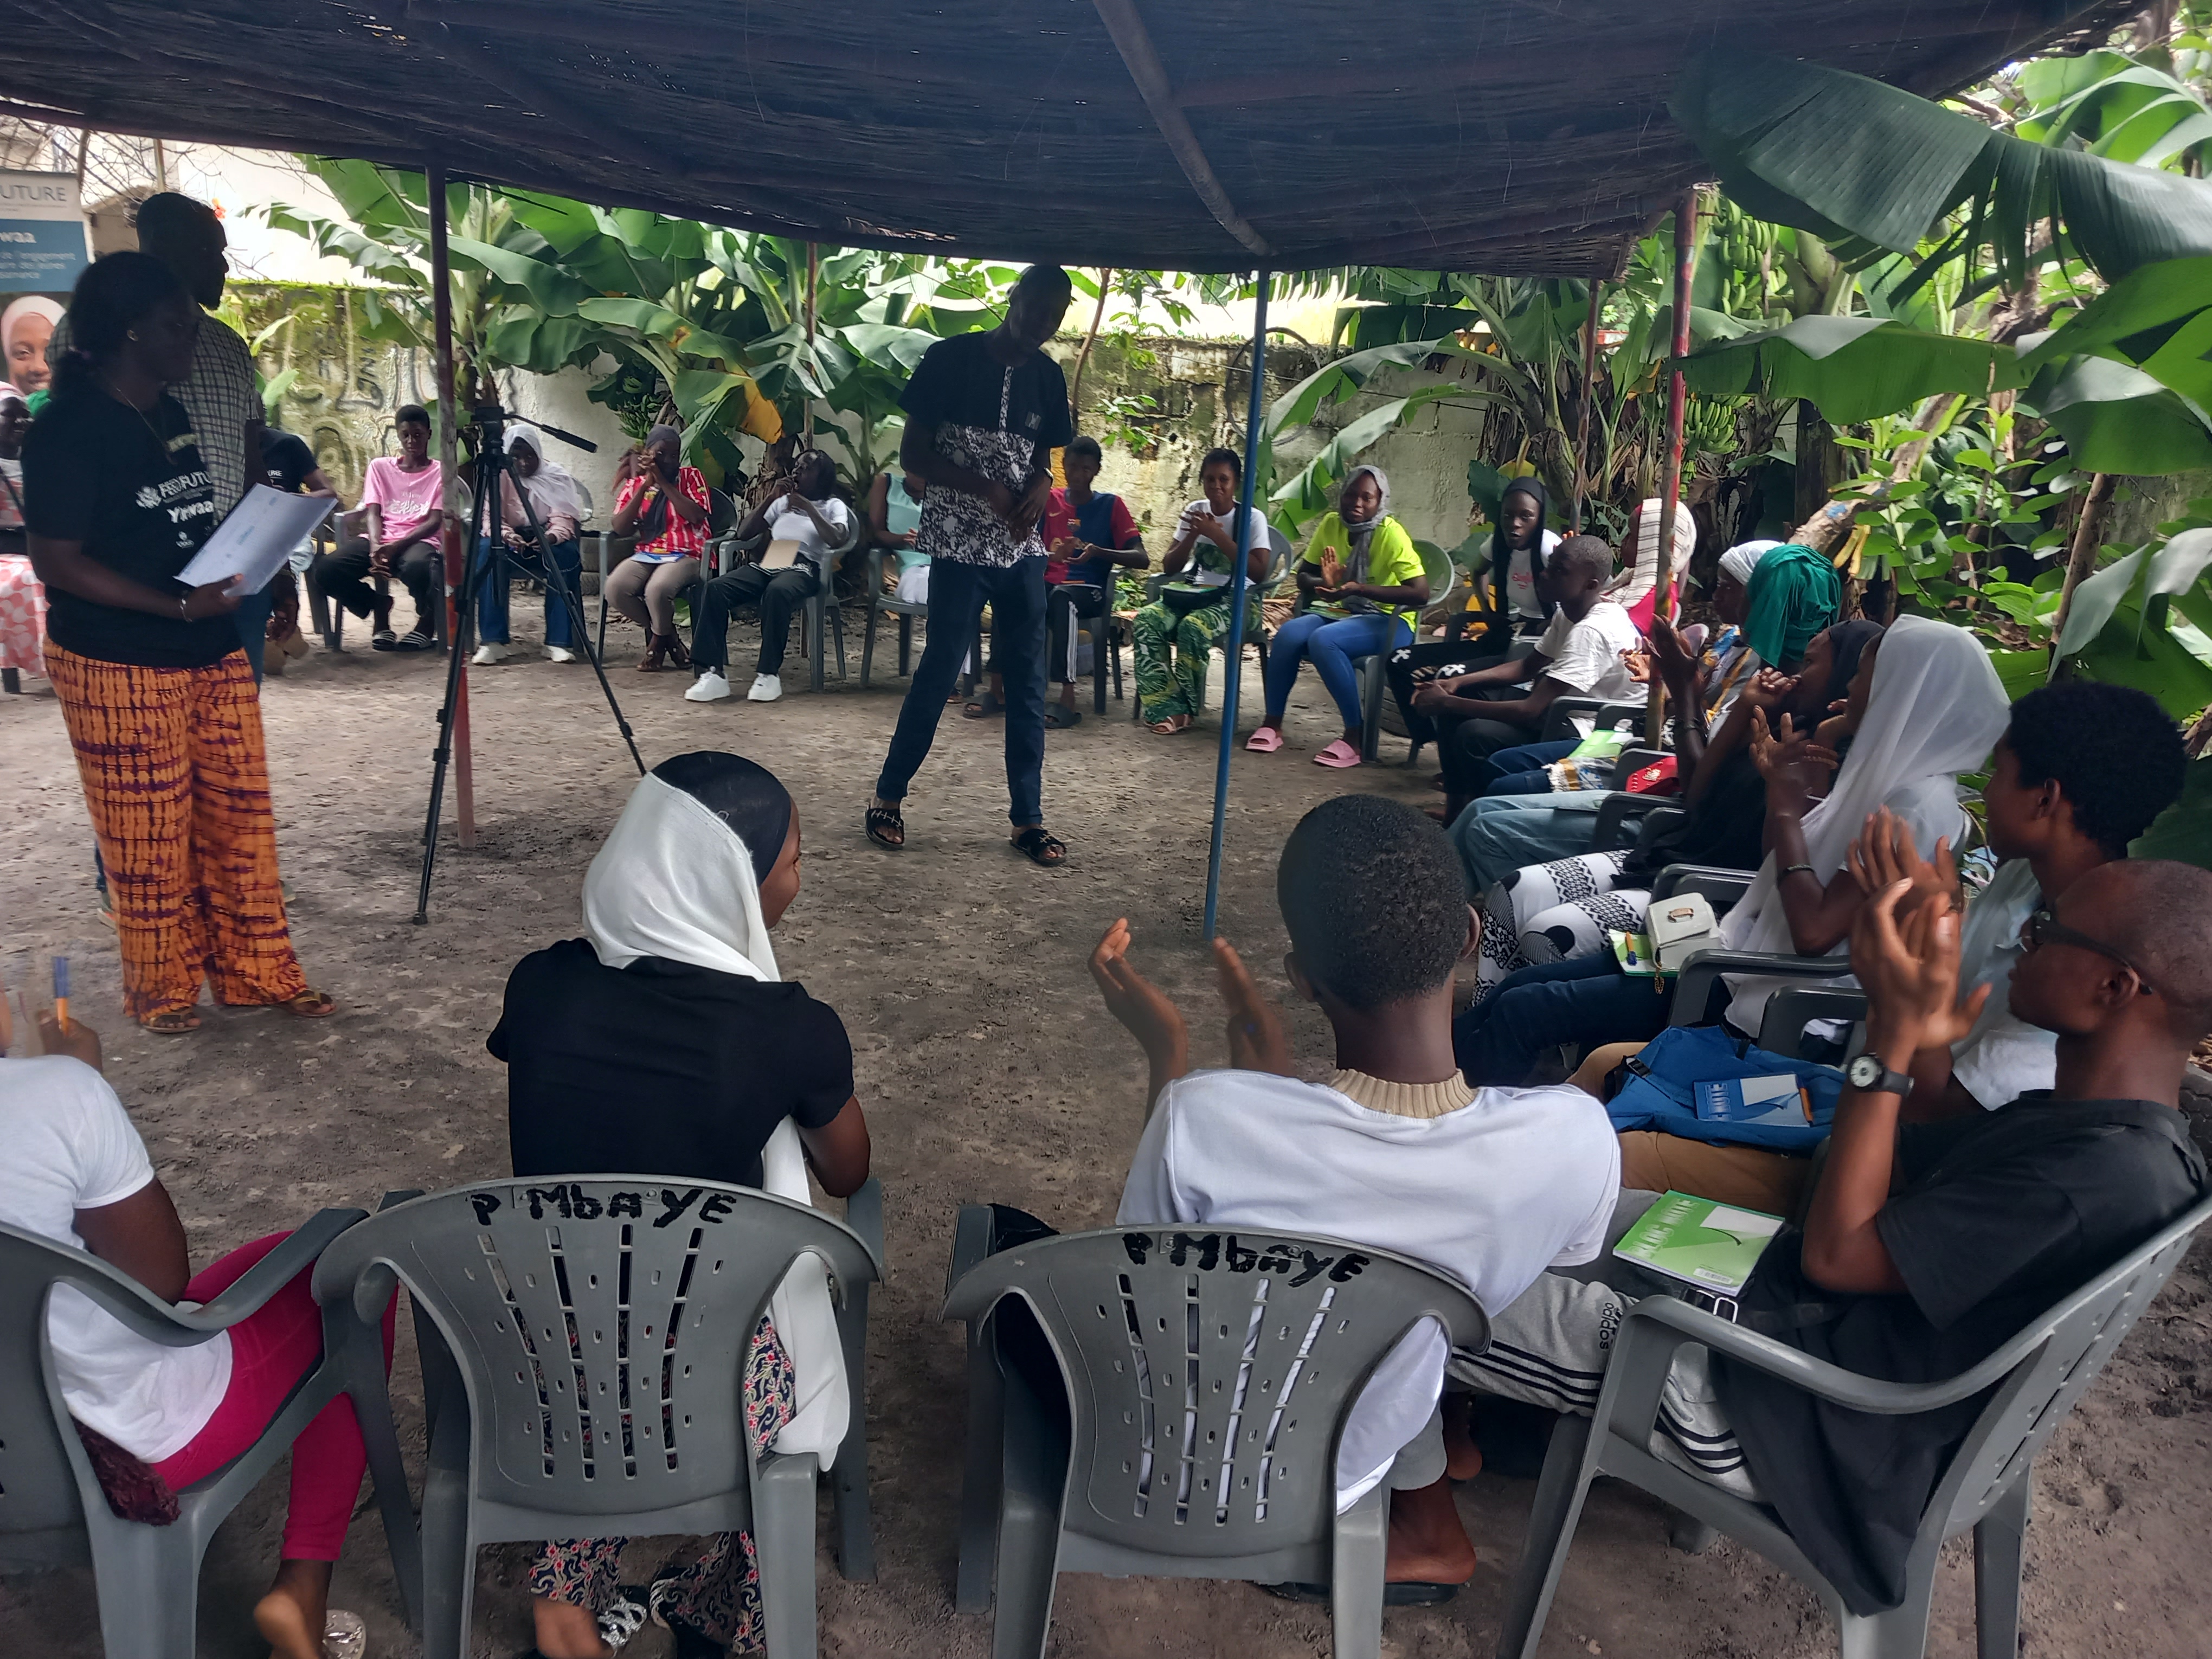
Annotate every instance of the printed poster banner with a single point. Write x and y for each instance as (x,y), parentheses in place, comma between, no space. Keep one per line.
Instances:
(42,247)
(43,243)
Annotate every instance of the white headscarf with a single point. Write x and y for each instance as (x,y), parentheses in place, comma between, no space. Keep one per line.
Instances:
(1936,709)
(1743,558)
(1633,584)
(553,489)
(674,881)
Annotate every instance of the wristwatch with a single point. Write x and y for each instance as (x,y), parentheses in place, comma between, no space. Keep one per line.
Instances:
(1867,1073)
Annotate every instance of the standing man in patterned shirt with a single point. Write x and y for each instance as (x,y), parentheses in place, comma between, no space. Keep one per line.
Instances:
(984,413)
(221,395)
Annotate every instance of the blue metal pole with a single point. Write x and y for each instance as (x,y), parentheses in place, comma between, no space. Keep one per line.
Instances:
(1238,580)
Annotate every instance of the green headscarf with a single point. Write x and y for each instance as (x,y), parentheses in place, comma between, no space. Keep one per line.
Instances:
(1793,595)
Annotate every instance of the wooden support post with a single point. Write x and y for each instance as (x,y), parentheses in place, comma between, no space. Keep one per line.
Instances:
(453,560)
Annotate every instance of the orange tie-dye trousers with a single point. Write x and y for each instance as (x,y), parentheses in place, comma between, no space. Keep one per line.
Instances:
(178,782)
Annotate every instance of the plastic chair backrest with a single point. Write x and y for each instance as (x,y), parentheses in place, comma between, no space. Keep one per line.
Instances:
(37,1485)
(601,1324)
(1278,561)
(2078,1337)
(1210,1372)
(721,513)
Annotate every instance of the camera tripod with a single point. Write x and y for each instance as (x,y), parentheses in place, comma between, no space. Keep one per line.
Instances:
(480,557)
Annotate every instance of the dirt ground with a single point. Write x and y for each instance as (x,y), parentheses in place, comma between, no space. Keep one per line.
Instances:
(988,1070)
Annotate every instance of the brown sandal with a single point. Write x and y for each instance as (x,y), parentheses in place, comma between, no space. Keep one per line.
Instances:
(310,1005)
(173,1021)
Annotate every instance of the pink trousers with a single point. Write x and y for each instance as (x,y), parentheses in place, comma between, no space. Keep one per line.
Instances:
(271,1350)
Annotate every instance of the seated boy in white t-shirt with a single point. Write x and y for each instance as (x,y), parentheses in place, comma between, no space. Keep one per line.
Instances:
(1490,1186)
(1505,705)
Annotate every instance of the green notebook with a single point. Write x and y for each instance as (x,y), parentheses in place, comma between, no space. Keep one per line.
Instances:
(1712,1246)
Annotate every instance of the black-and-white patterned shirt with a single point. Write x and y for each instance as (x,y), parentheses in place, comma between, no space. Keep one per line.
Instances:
(989,418)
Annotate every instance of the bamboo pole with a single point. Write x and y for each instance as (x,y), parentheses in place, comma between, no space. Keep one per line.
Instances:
(451,559)
(1582,423)
(2081,556)
(1082,357)
(1670,482)
(813,275)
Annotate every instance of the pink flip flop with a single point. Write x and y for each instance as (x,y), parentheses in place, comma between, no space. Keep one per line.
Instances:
(1265,741)
(1339,754)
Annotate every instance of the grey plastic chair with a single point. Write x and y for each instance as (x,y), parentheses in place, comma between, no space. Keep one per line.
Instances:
(821,606)
(1375,668)
(883,602)
(584,1342)
(2033,1382)
(52,1511)
(1208,1373)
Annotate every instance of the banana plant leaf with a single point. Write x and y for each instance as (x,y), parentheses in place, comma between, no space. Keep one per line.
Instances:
(2158,317)
(2116,418)
(1851,368)
(1348,374)
(2184,830)
(552,290)
(1840,154)
(2135,582)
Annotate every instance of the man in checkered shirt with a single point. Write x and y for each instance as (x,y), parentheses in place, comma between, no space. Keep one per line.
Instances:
(221,396)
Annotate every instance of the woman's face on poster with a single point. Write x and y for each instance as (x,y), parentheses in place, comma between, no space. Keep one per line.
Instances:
(26,346)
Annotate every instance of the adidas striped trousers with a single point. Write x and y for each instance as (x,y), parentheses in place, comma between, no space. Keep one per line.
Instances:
(1551,1347)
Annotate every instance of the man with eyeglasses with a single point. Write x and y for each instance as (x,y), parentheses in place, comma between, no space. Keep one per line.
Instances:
(1926,1247)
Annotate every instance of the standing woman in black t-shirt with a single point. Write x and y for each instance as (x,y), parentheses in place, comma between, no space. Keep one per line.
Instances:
(153,686)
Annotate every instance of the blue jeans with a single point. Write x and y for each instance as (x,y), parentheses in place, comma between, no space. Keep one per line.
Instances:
(957,594)
(566,560)
(1500,833)
(1332,643)
(1520,770)
(1586,1001)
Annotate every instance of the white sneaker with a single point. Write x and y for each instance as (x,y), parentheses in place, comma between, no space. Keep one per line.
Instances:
(767,688)
(709,687)
(559,653)
(487,654)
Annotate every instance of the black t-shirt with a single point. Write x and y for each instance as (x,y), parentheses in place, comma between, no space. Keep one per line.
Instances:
(131,487)
(660,1068)
(286,459)
(958,382)
(1999,1215)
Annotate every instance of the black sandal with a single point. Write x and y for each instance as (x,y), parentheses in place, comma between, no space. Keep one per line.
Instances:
(886,828)
(1040,848)
(1406,1595)
(984,707)
(1059,716)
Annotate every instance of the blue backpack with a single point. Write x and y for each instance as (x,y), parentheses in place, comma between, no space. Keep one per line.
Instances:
(1663,1078)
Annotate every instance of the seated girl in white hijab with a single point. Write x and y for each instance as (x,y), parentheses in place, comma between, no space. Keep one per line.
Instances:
(665,1042)
(549,494)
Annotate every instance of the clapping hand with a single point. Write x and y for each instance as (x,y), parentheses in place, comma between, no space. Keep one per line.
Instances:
(1256,1043)
(1677,668)
(1139,1003)
(1792,762)
(1767,690)
(1910,970)
(1884,855)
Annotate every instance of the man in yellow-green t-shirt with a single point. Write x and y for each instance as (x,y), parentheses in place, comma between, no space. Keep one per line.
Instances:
(1363,582)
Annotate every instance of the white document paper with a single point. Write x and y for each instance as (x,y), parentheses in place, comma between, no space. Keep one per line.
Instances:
(256,539)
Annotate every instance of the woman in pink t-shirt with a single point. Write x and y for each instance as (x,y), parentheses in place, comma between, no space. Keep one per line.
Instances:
(401,510)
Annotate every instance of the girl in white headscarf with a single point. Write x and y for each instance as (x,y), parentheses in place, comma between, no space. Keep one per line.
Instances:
(560,506)
(666,1042)
(1934,708)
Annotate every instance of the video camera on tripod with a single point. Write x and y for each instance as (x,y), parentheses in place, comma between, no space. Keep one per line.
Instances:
(484,556)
